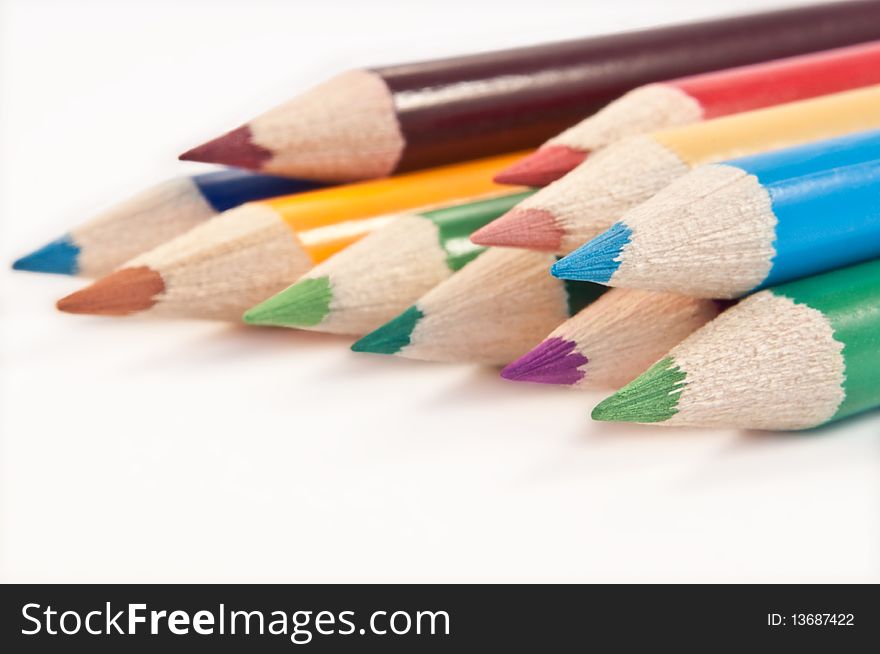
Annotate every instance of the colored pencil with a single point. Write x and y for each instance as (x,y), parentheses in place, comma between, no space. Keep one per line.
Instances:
(375,122)
(699,97)
(596,194)
(725,230)
(793,356)
(152,217)
(613,340)
(366,285)
(490,312)
(229,263)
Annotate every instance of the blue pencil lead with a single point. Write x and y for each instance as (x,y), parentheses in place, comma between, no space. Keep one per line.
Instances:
(61,257)
(597,260)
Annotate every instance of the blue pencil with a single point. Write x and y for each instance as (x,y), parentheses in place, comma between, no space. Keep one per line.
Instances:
(725,230)
(152,217)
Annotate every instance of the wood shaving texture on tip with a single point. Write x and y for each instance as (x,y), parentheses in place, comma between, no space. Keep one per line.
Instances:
(344,129)
(767,363)
(492,311)
(624,331)
(139,224)
(709,233)
(378,277)
(640,111)
(593,196)
(226,265)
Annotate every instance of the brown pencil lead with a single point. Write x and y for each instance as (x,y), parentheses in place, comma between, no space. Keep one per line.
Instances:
(123,292)
(235,148)
(534,229)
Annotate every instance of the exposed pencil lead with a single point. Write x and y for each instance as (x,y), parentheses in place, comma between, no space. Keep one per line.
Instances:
(652,397)
(59,257)
(535,229)
(305,304)
(554,361)
(235,148)
(391,337)
(546,165)
(125,291)
(597,260)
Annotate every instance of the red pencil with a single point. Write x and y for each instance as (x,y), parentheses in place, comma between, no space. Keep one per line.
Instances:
(699,97)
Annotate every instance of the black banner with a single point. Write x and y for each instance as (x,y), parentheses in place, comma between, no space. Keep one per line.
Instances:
(421,618)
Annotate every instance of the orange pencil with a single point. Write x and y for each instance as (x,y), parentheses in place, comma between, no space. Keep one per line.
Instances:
(226,265)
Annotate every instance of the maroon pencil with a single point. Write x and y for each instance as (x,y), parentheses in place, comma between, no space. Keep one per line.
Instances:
(380,121)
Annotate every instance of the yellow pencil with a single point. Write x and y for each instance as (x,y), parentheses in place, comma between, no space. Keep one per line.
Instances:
(588,200)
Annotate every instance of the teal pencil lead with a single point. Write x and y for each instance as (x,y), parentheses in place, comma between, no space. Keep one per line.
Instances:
(391,337)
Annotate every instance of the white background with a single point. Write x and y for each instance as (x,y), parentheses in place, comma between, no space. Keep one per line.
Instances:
(135,450)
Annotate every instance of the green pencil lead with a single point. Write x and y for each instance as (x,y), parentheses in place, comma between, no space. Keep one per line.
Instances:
(304,304)
(652,397)
(391,337)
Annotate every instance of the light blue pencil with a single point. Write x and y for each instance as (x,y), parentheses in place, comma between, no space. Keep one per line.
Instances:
(725,230)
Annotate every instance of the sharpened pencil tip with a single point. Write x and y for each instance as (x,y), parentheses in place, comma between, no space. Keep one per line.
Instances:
(543,166)
(120,293)
(597,260)
(554,361)
(60,257)
(535,229)
(304,304)
(234,148)
(393,336)
(651,397)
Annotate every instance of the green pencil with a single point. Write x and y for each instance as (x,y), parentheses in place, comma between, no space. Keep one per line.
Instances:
(793,356)
(370,282)
(491,311)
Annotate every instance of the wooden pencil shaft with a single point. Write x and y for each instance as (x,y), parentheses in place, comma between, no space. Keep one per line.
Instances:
(226,265)
(850,300)
(591,198)
(578,77)
(491,312)
(376,197)
(358,290)
(613,340)
(735,90)
(826,219)
(724,230)
(721,93)
(772,128)
(153,216)
(455,224)
(375,122)
(227,189)
(794,356)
